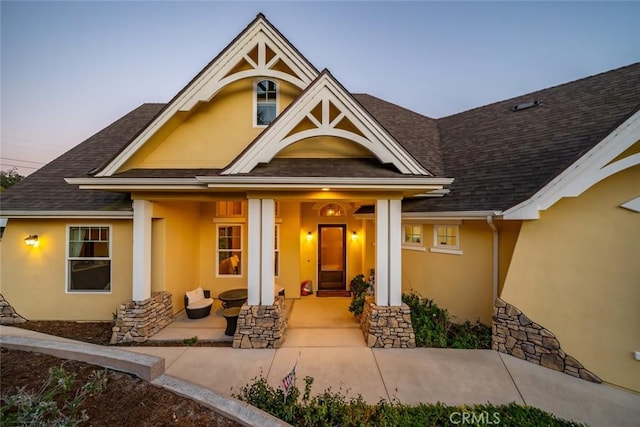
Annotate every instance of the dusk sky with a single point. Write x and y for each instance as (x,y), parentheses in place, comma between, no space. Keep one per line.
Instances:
(71,68)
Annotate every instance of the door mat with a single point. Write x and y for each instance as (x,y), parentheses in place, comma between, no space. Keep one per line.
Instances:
(334,293)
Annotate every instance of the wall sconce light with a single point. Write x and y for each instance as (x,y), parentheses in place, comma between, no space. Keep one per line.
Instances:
(32,240)
(354,235)
(309,236)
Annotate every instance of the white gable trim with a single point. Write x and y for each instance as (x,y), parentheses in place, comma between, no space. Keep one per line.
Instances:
(590,169)
(632,205)
(216,76)
(326,91)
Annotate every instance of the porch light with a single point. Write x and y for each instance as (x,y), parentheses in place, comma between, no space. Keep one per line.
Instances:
(309,236)
(354,235)
(32,240)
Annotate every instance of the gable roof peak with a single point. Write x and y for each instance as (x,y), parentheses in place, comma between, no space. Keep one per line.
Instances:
(261,36)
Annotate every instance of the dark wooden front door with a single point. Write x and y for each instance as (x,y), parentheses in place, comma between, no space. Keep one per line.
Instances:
(332,256)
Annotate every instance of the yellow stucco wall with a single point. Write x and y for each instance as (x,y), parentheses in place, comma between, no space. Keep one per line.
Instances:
(324,147)
(460,283)
(575,271)
(176,251)
(33,279)
(212,134)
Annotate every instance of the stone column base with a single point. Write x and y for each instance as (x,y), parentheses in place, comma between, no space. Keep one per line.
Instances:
(515,334)
(8,315)
(261,326)
(137,321)
(387,327)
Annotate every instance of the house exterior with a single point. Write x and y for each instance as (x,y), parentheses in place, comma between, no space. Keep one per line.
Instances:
(264,172)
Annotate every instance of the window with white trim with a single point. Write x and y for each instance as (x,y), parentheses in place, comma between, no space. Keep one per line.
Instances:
(266,102)
(229,250)
(412,235)
(89,258)
(446,239)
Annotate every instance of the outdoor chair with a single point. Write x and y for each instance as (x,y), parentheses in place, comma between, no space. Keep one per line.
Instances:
(198,303)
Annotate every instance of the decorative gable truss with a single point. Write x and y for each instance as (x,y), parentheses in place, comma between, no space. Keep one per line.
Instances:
(326,109)
(259,51)
(608,157)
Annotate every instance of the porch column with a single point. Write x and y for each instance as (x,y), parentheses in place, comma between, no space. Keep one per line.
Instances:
(142,210)
(254,224)
(261,241)
(382,252)
(388,252)
(268,247)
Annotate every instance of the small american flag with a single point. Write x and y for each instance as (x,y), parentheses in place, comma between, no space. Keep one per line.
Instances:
(289,380)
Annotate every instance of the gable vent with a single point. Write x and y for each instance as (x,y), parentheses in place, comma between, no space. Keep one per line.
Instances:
(525,105)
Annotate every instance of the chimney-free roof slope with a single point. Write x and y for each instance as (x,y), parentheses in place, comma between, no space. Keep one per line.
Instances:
(501,157)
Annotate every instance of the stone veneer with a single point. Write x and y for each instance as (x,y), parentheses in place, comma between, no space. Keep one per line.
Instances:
(387,327)
(8,315)
(261,326)
(515,334)
(139,320)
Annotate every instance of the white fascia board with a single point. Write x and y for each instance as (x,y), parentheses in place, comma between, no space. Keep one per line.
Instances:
(67,214)
(453,215)
(135,184)
(324,181)
(590,169)
(325,88)
(206,85)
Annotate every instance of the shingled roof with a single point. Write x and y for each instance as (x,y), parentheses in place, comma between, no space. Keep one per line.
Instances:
(498,157)
(46,190)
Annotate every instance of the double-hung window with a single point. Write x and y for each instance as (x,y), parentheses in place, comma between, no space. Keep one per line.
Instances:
(266,102)
(89,259)
(229,250)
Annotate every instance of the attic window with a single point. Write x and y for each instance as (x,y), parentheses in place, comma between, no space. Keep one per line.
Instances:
(266,97)
(525,105)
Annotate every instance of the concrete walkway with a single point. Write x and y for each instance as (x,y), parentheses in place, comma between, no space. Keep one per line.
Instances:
(338,358)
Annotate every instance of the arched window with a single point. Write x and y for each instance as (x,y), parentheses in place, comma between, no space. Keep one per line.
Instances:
(266,97)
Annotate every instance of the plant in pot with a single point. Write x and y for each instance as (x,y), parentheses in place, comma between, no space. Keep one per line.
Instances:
(358,287)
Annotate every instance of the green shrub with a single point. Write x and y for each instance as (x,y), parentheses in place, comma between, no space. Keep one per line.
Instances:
(335,409)
(53,404)
(433,327)
(191,341)
(358,287)
(430,322)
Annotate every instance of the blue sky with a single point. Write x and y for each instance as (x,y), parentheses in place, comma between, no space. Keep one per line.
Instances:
(70,68)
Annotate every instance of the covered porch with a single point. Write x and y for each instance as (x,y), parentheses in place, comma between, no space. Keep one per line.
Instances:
(311,322)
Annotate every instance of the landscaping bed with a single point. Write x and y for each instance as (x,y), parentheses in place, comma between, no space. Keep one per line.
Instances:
(125,399)
(100,333)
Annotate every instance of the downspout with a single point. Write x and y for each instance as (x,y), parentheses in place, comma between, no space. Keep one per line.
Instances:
(495,256)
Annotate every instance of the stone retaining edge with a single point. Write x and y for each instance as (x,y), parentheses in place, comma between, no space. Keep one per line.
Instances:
(230,407)
(148,368)
(142,365)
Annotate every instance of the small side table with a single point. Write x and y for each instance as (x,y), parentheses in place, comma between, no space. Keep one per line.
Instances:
(233,297)
(231,316)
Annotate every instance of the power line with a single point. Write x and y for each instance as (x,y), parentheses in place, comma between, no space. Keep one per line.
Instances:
(18,166)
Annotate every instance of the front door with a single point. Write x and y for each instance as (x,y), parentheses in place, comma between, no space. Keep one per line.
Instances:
(332,257)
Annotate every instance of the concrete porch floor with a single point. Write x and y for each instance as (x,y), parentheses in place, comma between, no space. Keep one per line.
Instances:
(312,322)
